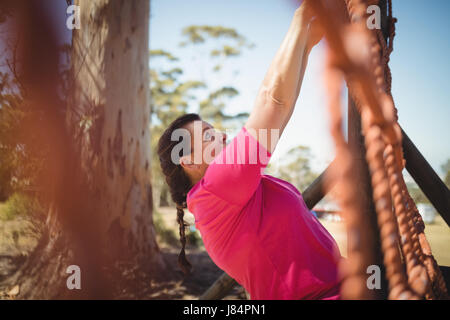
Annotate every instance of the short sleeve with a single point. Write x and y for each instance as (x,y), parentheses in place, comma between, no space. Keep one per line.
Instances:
(236,171)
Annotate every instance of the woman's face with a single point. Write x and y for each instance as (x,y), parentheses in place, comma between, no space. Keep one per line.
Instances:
(206,143)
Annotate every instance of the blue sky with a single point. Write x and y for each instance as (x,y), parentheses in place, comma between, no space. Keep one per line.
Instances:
(420,65)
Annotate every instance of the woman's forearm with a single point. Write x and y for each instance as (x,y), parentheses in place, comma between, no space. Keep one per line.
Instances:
(278,93)
(291,105)
(283,79)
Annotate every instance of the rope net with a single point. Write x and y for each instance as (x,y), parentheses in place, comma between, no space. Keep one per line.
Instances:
(360,56)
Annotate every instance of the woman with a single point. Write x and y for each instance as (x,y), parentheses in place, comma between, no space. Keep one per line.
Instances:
(255,227)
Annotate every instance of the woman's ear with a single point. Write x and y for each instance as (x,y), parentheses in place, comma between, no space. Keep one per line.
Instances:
(186,163)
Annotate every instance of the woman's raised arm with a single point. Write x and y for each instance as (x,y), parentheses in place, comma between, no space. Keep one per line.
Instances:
(281,86)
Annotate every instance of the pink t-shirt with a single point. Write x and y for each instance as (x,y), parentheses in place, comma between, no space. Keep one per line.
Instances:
(258,229)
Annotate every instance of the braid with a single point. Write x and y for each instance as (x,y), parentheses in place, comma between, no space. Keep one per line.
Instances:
(179,185)
(182,261)
(177,180)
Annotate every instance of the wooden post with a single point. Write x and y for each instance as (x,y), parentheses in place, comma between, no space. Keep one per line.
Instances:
(317,189)
(220,288)
(417,166)
(427,180)
(369,225)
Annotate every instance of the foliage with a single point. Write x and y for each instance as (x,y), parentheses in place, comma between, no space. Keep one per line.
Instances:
(416,194)
(193,238)
(172,95)
(211,108)
(221,44)
(227,42)
(11,150)
(164,234)
(21,155)
(20,205)
(295,168)
(170,236)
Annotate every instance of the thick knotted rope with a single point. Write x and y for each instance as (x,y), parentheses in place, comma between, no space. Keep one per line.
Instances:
(361,57)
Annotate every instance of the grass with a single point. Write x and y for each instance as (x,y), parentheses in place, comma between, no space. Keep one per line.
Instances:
(164,234)
(438,235)
(19,205)
(18,234)
(4,215)
(167,228)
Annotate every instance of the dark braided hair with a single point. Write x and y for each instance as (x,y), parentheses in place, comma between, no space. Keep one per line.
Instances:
(178,181)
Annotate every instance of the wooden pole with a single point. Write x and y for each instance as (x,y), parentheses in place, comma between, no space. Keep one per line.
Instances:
(368,235)
(417,166)
(427,180)
(317,189)
(220,288)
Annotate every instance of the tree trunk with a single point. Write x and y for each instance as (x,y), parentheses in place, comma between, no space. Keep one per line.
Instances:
(111,99)
(103,207)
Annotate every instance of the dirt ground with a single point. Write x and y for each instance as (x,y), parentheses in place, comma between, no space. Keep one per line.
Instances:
(204,273)
(17,241)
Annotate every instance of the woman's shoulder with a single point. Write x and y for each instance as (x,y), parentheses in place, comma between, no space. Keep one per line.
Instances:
(201,199)
(280,182)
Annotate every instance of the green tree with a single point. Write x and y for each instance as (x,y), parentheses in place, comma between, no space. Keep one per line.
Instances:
(17,167)
(170,99)
(212,108)
(21,159)
(416,193)
(295,168)
(8,114)
(227,42)
(172,95)
(219,45)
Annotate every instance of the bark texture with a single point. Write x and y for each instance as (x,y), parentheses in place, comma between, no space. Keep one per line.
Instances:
(98,172)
